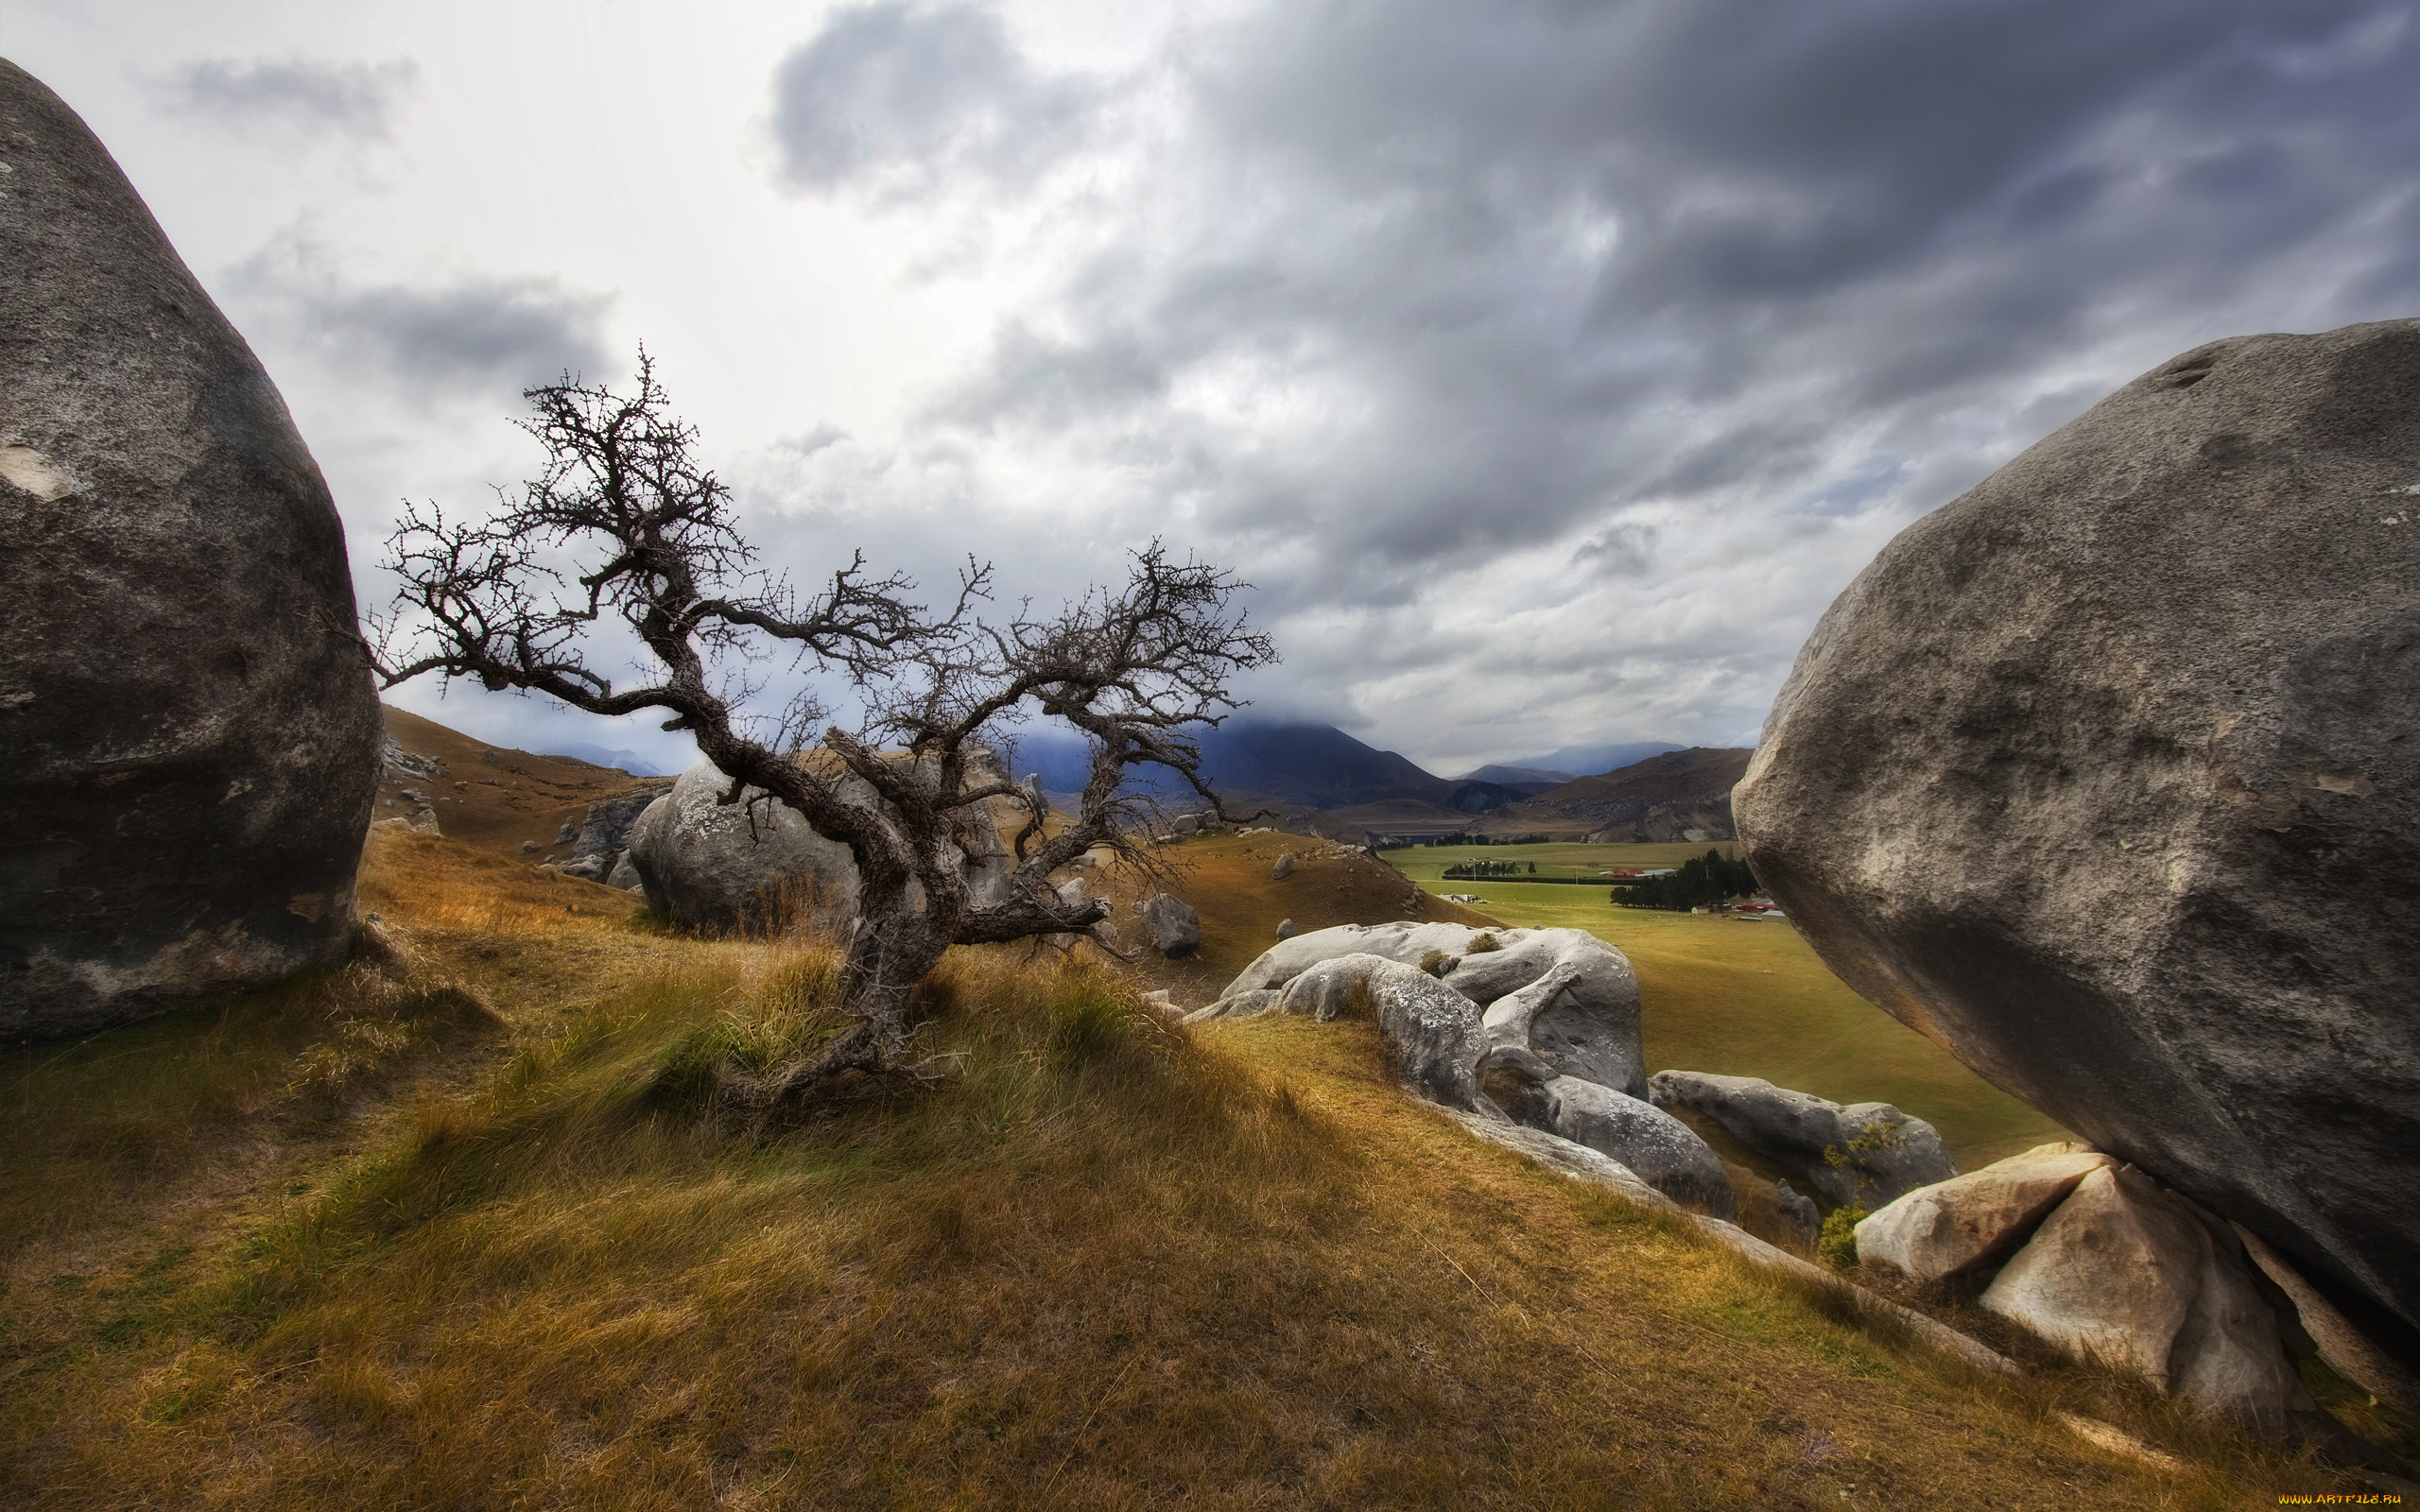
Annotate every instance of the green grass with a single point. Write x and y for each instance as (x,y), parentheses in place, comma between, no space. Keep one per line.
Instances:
(1748,999)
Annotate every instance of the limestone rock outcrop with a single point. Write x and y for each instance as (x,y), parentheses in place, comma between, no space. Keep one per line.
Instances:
(1864,1155)
(2103,776)
(710,864)
(189,737)
(2133,1276)
(1560,993)
(1973,1221)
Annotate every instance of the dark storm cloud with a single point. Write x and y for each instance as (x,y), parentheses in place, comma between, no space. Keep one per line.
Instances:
(1708,297)
(905,96)
(358,100)
(473,336)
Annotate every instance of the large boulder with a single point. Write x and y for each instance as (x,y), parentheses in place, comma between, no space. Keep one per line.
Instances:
(1863,1155)
(1665,1153)
(710,864)
(2135,1277)
(1564,995)
(188,734)
(1971,1222)
(2103,776)
(1176,927)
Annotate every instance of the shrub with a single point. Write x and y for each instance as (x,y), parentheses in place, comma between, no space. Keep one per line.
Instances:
(1837,1244)
(1437,963)
(1485,943)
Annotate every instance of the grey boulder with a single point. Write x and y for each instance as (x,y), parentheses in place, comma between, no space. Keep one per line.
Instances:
(1430,1033)
(2103,776)
(709,864)
(191,743)
(1970,1222)
(1863,1155)
(1286,929)
(1284,869)
(2127,1274)
(1665,1153)
(1176,928)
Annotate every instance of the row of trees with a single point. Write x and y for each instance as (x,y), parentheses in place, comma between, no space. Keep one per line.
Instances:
(625,524)
(1709,879)
(1474,870)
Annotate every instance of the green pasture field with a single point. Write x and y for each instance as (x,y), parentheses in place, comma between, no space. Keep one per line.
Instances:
(1746,998)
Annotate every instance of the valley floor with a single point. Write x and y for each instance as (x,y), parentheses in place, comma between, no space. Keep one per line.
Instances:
(461,1225)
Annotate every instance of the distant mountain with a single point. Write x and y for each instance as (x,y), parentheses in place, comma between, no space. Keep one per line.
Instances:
(1318,765)
(1540,777)
(1582,760)
(628,761)
(1677,795)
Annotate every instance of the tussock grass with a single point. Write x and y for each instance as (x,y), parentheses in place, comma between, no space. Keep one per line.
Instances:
(1111,1262)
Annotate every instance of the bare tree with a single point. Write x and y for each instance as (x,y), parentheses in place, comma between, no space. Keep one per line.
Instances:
(650,533)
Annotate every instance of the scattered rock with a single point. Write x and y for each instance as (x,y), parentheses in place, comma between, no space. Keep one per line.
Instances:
(191,742)
(2135,1277)
(409,766)
(1186,823)
(1973,1221)
(707,863)
(1665,1153)
(1176,929)
(1071,893)
(1284,869)
(529,847)
(2182,798)
(1286,929)
(625,875)
(1865,1155)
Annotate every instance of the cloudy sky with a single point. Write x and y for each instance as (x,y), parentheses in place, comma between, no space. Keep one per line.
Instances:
(1546,365)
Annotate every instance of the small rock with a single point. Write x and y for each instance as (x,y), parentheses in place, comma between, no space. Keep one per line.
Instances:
(624,875)
(1286,929)
(529,847)
(1797,1209)
(1971,1222)
(1284,869)
(1071,893)
(490,758)
(1176,929)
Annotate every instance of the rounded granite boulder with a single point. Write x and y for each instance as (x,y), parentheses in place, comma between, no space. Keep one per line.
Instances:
(2106,776)
(189,740)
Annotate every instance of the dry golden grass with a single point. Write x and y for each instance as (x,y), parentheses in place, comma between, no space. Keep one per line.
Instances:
(527,1261)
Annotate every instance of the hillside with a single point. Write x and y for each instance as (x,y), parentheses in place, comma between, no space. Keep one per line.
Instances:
(494,798)
(1682,795)
(454,1226)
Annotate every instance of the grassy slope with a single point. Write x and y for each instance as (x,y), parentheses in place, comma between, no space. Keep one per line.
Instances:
(471,1239)
(1742,999)
(518,797)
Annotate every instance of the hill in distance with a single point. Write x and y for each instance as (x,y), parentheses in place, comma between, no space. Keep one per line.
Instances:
(1320,780)
(1679,795)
